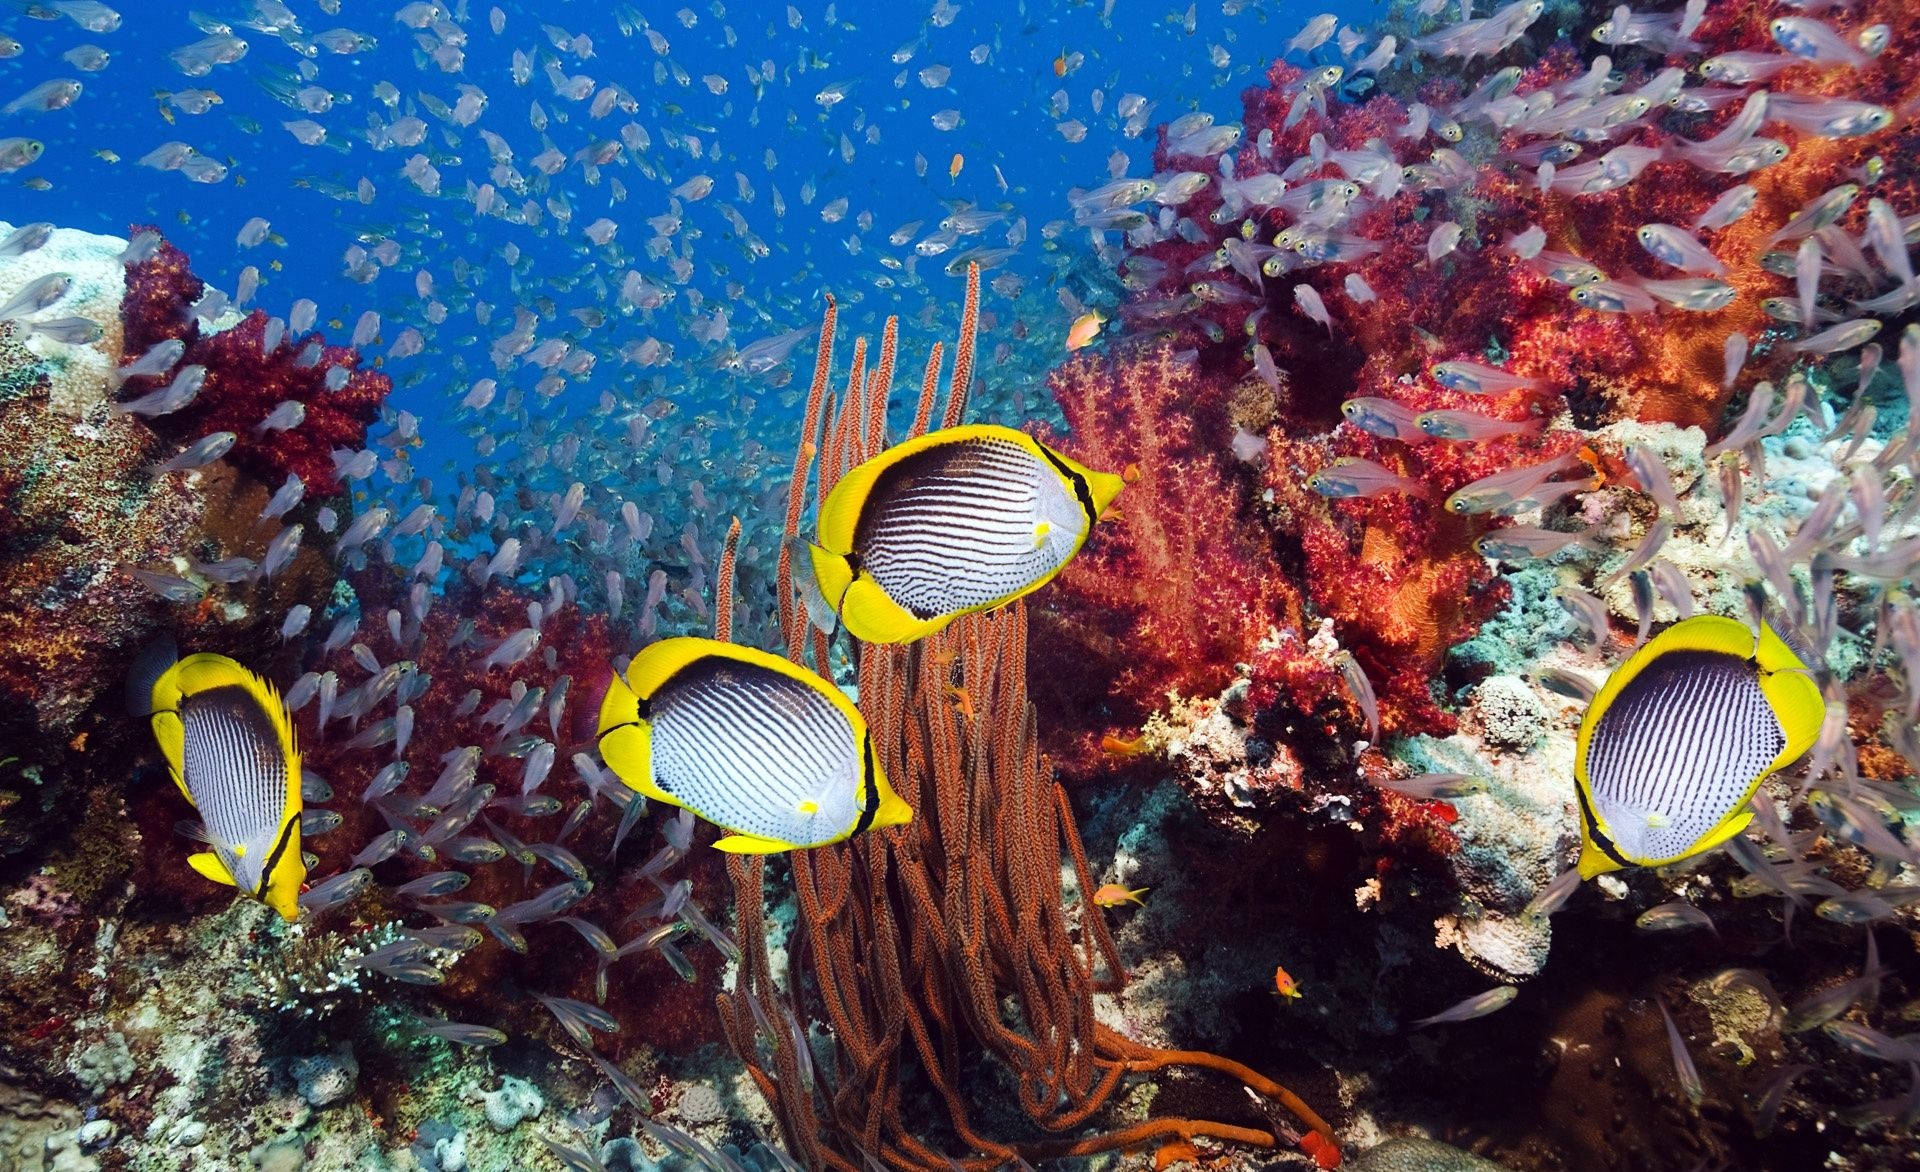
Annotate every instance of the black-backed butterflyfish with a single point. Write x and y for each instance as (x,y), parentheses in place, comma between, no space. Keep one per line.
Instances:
(1673,746)
(757,745)
(952,522)
(229,745)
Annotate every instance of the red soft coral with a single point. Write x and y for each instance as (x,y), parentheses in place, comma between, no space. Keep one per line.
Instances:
(244,382)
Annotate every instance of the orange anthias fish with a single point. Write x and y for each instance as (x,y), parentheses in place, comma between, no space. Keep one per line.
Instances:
(1113,895)
(1284,984)
(1084,330)
(953,168)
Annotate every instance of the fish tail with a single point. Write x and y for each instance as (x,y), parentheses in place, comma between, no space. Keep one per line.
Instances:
(822,578)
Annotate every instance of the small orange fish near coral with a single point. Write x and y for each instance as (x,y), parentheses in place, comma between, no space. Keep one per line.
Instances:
(1178,1151)
(1325,1153)
(1113,895)
(1284,984)
(1113,746)
(1084,330)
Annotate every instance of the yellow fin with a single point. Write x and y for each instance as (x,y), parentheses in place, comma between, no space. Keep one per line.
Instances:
(1721,833)
(747,844)
(872,616)
(1792,694)
(209,865)
(893,810)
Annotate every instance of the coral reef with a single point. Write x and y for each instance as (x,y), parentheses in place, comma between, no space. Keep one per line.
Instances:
(247,378)
(83,515)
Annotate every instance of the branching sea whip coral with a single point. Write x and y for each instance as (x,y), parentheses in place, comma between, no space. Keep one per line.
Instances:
(948,938)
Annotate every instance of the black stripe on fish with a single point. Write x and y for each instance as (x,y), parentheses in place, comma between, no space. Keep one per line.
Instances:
(1082,491)
(287,835)
(644,714)
(952,527)
(869,786)
(1594,834)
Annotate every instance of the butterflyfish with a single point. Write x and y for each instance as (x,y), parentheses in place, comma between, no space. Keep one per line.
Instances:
(1675,743)
(229,745)
(953,522)
(759,746)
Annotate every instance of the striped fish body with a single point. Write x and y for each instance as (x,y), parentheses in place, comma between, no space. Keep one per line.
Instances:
(951,523)
(749,741)
(1673,746)
(229,745)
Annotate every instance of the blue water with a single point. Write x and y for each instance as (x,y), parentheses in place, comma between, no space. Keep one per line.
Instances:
(1135,48)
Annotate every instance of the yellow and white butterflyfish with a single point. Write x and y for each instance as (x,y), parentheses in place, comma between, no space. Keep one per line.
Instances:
(953,522)
(229,745)
(1674,745)
(753,743)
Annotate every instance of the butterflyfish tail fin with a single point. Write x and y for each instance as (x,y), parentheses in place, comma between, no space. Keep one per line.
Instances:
(209,865)
(822,577)
(148,666)
(1792,693)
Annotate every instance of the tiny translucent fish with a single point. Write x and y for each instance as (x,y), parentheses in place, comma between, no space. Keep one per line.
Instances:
(1553,896)
(1682,1060)
(1478,1005)
(1352,476)
(1435,786)
(36,295)
(1382,417)
(336,891)
(200,453)
(1674,915)
(1467,425)
(458,1032)
(1732,205)
(1356,680)
(1839,338)
(1477,379)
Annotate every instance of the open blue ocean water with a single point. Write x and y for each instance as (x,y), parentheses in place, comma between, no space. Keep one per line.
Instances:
(821,128)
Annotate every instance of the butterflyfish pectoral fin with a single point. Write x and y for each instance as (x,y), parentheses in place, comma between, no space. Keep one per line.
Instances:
(209,865)
(747,844)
